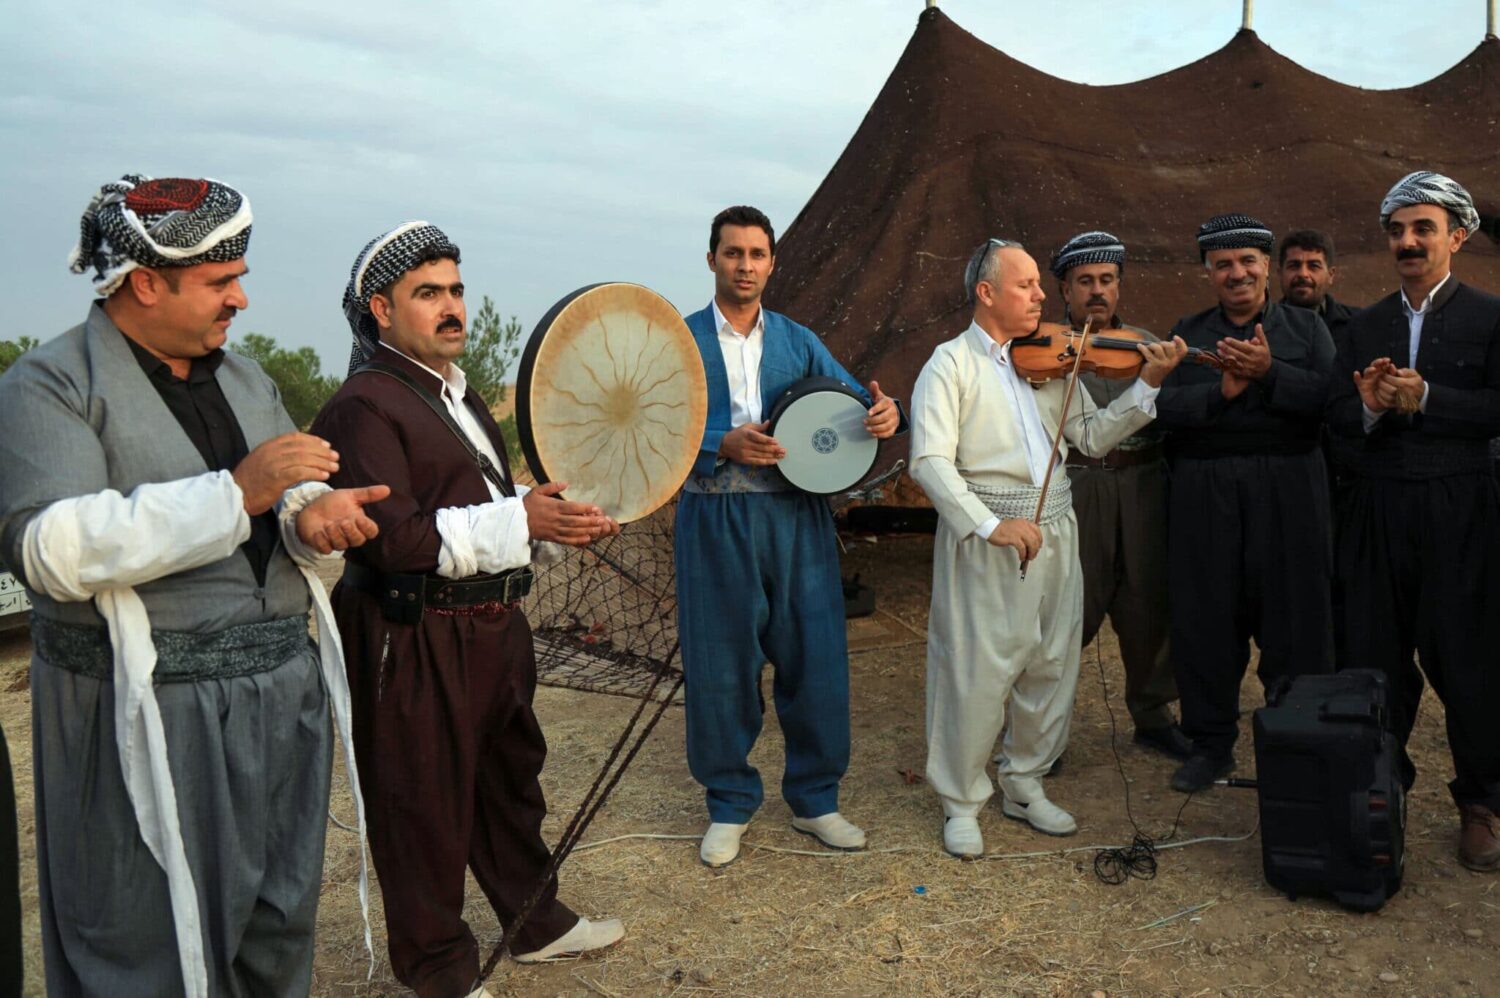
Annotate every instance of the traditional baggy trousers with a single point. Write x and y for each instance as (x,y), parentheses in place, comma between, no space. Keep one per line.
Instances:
(1122,546)
(250,758)
(1408,592)
(994,638)
(758,581)
(449,753)
(1249,556)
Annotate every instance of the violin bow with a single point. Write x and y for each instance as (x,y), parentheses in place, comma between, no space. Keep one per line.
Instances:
(1062,422)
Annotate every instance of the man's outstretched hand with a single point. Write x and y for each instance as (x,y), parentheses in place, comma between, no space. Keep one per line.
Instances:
(578,524)
(337,521)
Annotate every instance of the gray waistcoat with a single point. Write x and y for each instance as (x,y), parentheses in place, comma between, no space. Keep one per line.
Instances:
(78,416)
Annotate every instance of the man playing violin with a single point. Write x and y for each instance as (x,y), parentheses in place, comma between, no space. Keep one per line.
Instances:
(984,444)
(1248,550)
(1120,501)
(1418,390)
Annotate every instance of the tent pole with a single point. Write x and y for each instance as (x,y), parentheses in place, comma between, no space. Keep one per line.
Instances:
(1250,15)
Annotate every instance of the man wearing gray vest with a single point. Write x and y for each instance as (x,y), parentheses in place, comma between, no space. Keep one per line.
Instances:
(150,501)
(1120,500)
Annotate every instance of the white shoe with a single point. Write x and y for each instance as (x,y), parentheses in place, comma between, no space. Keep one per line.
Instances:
(961,838)
(480,993)
(1041,814)
(721,844)
(581,938)
(833,830)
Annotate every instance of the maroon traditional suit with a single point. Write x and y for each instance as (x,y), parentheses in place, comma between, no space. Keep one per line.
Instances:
(449,749)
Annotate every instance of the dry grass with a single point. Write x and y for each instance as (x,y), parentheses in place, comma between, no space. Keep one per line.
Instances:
(786,923)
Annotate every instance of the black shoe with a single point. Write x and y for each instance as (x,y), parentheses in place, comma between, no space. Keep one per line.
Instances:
(1168,740)
(1055,768)
(1199,772)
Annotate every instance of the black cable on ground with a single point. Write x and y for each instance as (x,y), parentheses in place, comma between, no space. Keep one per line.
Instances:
(1119,864)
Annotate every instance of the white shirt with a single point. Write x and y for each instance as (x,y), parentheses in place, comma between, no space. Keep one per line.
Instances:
(1022,399)
(742,353)
(1415,317)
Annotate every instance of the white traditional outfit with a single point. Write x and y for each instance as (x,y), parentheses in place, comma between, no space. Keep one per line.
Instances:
(981,436)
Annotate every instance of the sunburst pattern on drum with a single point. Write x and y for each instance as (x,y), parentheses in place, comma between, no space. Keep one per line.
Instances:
(617,399)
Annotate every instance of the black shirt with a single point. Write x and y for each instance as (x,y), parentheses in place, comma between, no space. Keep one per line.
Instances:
(203,412)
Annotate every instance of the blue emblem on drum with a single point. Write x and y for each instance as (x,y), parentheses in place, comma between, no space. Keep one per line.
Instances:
(825,440)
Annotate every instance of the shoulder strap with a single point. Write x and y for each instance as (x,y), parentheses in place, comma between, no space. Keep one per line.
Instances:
(486,466)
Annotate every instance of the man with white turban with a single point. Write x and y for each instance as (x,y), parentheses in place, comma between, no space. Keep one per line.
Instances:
(1419,545)
(150,501)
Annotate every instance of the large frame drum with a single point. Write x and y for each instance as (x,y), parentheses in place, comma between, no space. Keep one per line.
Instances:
(611,399)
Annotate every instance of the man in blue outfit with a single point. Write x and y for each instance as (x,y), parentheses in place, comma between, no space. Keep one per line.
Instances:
(757,562)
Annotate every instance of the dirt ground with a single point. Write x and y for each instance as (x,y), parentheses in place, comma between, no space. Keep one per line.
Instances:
(904,918)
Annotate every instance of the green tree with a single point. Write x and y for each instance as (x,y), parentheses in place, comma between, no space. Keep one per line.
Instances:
(297,373)
(492,349)
(10,350)
(489,355)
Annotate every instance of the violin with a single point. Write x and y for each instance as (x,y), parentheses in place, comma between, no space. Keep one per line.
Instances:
(1052,352)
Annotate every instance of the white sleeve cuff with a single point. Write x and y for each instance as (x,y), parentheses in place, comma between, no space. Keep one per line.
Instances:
(1371,417)
(1422,405)
(293,501)
(488,538)
(1142,396)
(986,528)
(79,547)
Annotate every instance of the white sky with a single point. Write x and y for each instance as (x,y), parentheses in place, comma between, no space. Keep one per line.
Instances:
(558,143)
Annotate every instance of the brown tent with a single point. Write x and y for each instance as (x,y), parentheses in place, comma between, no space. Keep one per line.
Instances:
(964,142)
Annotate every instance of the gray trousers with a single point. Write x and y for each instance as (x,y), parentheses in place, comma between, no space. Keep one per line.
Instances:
(250,757)
(1122,546)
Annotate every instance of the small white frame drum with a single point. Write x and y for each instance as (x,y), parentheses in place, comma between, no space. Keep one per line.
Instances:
(821,423)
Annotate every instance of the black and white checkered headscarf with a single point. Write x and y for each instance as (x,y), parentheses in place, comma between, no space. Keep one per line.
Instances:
(379,265)
(1426,187)
(1234,231)
(172,222)
(1087,247)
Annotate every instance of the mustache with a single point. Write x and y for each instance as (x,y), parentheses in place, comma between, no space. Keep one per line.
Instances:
(1096,300)
(1414,253)
(1303,282)
(450,323)
(228,313)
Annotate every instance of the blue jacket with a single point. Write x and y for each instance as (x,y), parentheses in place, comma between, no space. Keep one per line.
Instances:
(791,353)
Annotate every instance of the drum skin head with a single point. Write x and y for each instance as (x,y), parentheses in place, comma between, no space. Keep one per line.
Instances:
(611,399)
(821,423)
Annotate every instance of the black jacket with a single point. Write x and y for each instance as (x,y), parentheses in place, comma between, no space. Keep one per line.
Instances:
(1458,356)
(1279,414)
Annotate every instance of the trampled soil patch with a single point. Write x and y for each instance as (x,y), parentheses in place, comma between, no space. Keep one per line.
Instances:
(903,918)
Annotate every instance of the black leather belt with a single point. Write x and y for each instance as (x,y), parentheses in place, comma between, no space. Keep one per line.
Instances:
(1117,458)
(404,597)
